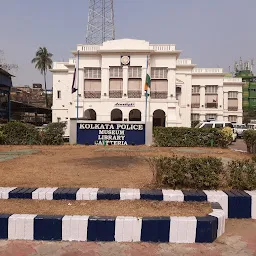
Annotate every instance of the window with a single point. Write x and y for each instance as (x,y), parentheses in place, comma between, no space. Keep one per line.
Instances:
(232,101)
(207,125)
(210,116)
(232,95)
(159,73)
(195,117)
(159,89)
(115,72)
(92,88)
(92,73)
(58,94)
(134,72)
(115,88)
(195,103)
(134,88)
(232,119)
(211,89)
(218,125)
(195,89)
(211,101)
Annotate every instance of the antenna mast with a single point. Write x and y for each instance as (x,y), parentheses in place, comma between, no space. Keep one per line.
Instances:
(100,27)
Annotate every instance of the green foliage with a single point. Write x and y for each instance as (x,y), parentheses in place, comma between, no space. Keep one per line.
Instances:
(186,172)
(203,173)
(242,174)
(53,134)
(250,140)
(2,136)
(189,137)
(17,133)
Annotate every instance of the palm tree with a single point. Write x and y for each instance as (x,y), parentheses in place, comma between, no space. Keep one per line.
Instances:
(43,62)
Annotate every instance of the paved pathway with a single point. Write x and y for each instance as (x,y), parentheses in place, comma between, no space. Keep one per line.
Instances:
(239,145)
(239,239)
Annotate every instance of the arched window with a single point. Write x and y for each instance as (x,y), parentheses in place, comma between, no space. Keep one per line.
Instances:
(159,118)
(90,114)
(135,115)
(116,115)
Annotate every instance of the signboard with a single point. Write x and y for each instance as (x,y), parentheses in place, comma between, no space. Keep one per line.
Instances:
(110,134)
(130,105)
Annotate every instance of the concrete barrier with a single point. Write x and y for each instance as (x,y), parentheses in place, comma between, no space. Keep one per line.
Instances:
(236,204)
(120,229)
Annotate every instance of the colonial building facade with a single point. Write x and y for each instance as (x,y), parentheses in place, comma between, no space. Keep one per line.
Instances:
(111,79)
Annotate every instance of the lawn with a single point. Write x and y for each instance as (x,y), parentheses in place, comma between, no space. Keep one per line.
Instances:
(89,166)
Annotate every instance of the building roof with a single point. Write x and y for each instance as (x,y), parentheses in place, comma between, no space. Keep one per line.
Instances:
(3,72)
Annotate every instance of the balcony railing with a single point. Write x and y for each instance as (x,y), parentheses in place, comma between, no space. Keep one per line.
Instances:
(195,105)
(134,94)
(184,61)
(92,94)
(88,48)
(211,105)
(158,95)
(207,70)
(232,108)
(163,47)
(115,94)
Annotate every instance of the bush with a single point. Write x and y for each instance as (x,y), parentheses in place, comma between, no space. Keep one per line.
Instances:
(17,133)
(53,134)
(242,174)
(186,172)
(190,137)
(250,140)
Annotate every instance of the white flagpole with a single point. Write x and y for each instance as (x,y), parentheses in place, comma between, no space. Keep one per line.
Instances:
(77,86)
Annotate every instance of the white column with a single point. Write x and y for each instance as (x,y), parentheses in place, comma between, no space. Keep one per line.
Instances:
(202,96)
(171,84)
(105,82)
(220,97)
(81,83)
(125,82)
(240,101)
(225,105)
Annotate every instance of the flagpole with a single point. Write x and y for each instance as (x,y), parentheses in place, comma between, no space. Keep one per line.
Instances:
(77,87)
(146,92)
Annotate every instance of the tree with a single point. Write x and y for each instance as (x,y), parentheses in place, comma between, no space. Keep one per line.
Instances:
(43,62)
(4,65)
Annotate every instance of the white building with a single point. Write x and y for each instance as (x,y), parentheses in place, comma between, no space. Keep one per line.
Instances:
(111,86)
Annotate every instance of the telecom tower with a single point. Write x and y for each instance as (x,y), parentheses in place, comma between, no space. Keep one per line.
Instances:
(100,27)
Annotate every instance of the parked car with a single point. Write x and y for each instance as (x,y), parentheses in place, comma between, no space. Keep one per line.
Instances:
(217,124)
(239,129)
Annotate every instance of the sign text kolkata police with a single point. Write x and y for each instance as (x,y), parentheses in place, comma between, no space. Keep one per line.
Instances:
(108,132)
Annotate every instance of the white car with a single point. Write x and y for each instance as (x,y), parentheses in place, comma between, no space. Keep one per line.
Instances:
(217,124)
(239,129)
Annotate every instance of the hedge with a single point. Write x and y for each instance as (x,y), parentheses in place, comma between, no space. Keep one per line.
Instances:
(249,137)
(18,133)
(203,173)
(190,137)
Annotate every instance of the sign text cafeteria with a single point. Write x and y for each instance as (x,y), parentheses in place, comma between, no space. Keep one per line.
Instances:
(111,134)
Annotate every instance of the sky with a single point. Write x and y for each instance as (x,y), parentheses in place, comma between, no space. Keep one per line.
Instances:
(214,33)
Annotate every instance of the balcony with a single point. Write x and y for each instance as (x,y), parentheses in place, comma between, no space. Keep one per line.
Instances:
(211,105)
(115,94)
(134,94)
(92,95)
(158,95)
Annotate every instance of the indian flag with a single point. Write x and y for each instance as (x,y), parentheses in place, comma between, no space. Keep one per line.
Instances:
(148,79)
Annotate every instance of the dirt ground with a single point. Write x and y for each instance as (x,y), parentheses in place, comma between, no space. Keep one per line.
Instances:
(91,166)
(134,208)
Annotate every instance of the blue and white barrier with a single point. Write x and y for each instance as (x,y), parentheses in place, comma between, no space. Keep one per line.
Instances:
(120,229)
(236,204)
